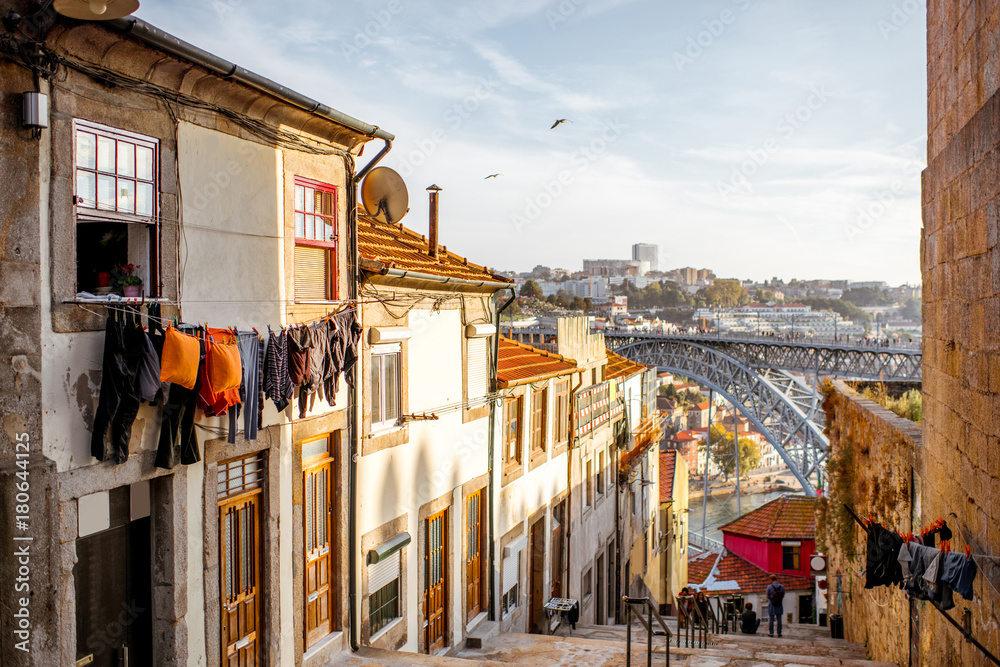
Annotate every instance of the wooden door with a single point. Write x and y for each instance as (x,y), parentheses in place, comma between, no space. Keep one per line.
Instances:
(113,595)
(537,576)
(436,593)
(318,506)
(239,520)
(599,590)
(474,555)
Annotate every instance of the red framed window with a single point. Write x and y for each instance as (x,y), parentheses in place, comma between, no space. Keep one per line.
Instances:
(315,213)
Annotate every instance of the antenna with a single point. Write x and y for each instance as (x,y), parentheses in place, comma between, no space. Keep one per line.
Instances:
(384,195)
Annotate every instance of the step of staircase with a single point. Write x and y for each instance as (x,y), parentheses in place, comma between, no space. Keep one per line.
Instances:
(604,646)
(483,633)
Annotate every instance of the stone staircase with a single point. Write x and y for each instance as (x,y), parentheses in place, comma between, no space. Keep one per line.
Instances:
(604,646)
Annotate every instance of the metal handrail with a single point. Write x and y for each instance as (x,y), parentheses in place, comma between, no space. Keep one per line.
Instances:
(647,623)
(695,625)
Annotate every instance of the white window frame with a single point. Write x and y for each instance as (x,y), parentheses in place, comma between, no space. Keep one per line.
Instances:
(378,352)
(88,211)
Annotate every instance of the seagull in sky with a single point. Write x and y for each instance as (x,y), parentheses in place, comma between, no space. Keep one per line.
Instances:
(492,176)
(560,122)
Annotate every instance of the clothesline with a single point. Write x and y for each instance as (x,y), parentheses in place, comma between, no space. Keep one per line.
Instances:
(922,579)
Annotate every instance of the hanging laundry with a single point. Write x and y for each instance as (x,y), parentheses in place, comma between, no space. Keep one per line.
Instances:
(959,572)
(277,384)
(882,568)
(298,359)
(118,402)
(248,344)
(177,442)
(345,349)
(223,366)
(180,360)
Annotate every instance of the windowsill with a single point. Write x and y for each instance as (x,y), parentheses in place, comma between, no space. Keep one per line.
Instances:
(317,302)
(393,436)
(384,631)
(116,298)
(586,600)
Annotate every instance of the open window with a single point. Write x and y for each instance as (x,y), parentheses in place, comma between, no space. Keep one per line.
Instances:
(116,198)
(315,241)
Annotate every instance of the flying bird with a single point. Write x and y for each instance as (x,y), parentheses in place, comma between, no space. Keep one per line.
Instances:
(493,176)
(560,122)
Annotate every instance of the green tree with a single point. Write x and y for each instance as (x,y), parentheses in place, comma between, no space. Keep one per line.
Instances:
(588,306)
(726,293)
(721,451)
(578,304)
(530,289)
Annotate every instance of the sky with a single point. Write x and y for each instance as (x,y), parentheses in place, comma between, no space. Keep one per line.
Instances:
(757,138)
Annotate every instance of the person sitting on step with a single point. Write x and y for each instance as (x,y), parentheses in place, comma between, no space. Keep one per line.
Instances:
(749,621)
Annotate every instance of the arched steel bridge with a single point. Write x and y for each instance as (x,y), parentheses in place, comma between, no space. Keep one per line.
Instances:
(891,364)
(755,376)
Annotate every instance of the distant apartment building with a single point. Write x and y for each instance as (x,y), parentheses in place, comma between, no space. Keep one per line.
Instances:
(762,318)
(592,287)
(646,252)
(615,267)
(616,306)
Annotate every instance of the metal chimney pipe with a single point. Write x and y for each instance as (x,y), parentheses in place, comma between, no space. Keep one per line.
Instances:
(432,235)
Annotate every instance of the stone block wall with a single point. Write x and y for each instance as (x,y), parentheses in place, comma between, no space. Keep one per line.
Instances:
(872,454)
(961,302)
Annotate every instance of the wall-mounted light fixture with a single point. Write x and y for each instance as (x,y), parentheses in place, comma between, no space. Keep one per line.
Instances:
(35,110)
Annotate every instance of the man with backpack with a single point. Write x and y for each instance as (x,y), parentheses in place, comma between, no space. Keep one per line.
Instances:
(775,610)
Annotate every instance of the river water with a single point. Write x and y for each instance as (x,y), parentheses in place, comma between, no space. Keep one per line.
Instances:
(721,511)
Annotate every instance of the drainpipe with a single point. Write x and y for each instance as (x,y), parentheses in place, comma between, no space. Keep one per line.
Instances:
(492,443)
(353,436)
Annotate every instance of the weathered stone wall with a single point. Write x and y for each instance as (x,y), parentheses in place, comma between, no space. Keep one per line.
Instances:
(961,309)
(872,453)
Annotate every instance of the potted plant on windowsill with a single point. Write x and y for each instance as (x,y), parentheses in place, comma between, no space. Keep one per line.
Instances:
(126,279)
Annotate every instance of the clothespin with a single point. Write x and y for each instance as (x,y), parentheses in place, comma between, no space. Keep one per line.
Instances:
(968,552)
(945,546)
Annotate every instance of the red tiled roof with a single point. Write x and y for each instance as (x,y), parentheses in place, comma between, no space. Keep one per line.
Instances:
(520,363)
(714,572)
(619,366)
(401,248)
(786,518)
(700,565)
(668,462)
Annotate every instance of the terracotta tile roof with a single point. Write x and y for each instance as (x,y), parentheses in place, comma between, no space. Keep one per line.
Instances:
(786,518)
(520,363)
(404,249)
(668,463)
(619,366)
(724,572)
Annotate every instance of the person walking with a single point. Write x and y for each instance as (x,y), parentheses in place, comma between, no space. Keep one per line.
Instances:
(749,621)
(775,610)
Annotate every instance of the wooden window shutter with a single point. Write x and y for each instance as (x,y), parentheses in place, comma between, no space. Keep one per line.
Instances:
(312,279)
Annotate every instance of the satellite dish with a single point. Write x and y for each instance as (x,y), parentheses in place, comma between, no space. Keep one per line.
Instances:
(96,10)
(384,195)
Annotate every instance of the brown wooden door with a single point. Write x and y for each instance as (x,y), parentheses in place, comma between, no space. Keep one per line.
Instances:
(536,578)
(474,560)
(435,595)
(240,550)
(318,552)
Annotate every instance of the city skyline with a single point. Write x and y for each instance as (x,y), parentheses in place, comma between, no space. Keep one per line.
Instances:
(691,125)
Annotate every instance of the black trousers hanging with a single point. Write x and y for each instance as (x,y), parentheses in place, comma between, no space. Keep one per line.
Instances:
(118,403)
(178,442)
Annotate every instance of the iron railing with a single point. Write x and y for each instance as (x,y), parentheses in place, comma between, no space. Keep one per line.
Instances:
(636,607)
